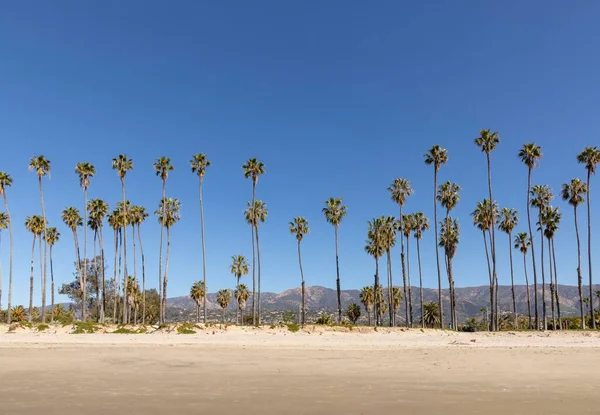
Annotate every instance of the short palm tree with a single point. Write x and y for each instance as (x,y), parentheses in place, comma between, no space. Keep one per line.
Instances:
(85,171)
(590,157)
(138,215)
(36,225)
(199,164)
(530,154)
(396,298)
(255,215)
(71,217)
(97,210)
(223,299)
(437,156)
(421,224)
(122,165)
(239,267)
(432,314)
(52,237)
(449,237)
(507,221)
(17,313)
(3,225)
(522,243)
(353,312)
(241,295)
(367,298)
(197,293)
(253,169)
(299,228)
(573,193)
(541,197)
(334,212)
(168,213)
(6,182)
(41,166)
(374,247)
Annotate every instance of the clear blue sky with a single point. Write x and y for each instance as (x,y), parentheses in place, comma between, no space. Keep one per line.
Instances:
(337,98)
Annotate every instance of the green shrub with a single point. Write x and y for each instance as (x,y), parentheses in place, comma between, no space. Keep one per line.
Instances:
(85,327)
(324,319)
(186,328)
(293,327)
(288,317)
(43,327)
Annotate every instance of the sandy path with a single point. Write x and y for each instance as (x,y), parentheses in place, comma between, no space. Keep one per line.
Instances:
(247,373)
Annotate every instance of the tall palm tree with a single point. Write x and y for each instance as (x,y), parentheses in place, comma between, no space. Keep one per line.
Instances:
(408,222)
(541,197)
(400,190)
(52,237)
(114,220)
(367,297)
(223,299)
(573,193)
(5,182)
(256,214)
(437,156)
(487,142)
(590,156)
(85,171)
(197,293)
(71,217)
(94,226)
(299,228)
(449,236)
(374,247)
(239,267)
(41,166)
(122,165)
(388,240)
(138,216)
(253,168)
(522,243)
(97,210)
(168,213)
(241,295)
(199,164)
(35,225)
(507,221)
(334,212)
(3,225)
(448,195)
(530,154)
(550,221)
(162,167)
(421,224)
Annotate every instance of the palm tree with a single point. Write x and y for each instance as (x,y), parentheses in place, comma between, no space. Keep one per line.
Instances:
(85,171)
(94,226)
(400,190)
(52,237)
(5,182)
(238,267)
(299,228)
(507,221)
(487,142)
(353,312)
(522,243)
(253,168)
(41,165)
(35,225)
(530,154)
(367,297)
(388,240)
(241,295)
(590,156)
(114,220)
(223,299)
(573,193)
(71,217)
(138,216)
(98,209)
(168,213)
(199,164)
(374,247)
(421,224)
(198,293)
(432,314)
(541,197)
(437,156)
(448,195)
(449,236)
(122,165)
(162,167)
(549,220)
(396,298)
(256,214)
(408,222)
(334,212)
(3,225)
(133,289)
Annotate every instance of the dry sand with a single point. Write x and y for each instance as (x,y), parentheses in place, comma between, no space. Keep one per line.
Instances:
(320,371)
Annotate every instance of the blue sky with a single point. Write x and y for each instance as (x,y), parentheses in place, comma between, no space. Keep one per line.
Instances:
(338,98)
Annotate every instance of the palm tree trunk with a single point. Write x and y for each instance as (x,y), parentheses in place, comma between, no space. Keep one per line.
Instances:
(403,262)
(52,287)
(551,286)
(30,315)
(143,277)
(493,245)
(579,277)
(115,276)
(160,274)
(258,285)
(338,285)
(527,289)
(134,256)
(125,274)
(118,301)
(97,277)
(223,315)
(545,322)
(103,282)
(420,284)
(1,273)
(253,258)
(512,281)
(303,314)
(557,298)
(203,249)
(377,298)
(78,259)
(85,226)
(368,316)
(197,313)
(589,217)
(535,289)
(391,308)
(487,257)
(10,266)
(166,277)
(43,271)
(452,301)
(410,304)
(437,254)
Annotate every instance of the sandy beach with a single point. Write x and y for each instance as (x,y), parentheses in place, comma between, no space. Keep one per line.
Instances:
(315,371)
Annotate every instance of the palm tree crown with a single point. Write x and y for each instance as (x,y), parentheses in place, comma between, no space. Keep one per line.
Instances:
(590,156)
(197,292)
(199,163)
(507,220)
(299,227)
(52,236)
(35,225)
(162,167)
(487,141)
(522,242)
(573,192)
(550,219)
(448,194)
(253,168)
(168,212)
(3,221)
(85,171)
(421,224)
(334,211)
(436,156)
(541,195)
(40,164)
(530,154)
(400,190)
(71,217)
(122,165)
(5,181)
(449,236)
(224,298)
(256,213)
(239,266)
(482,215)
